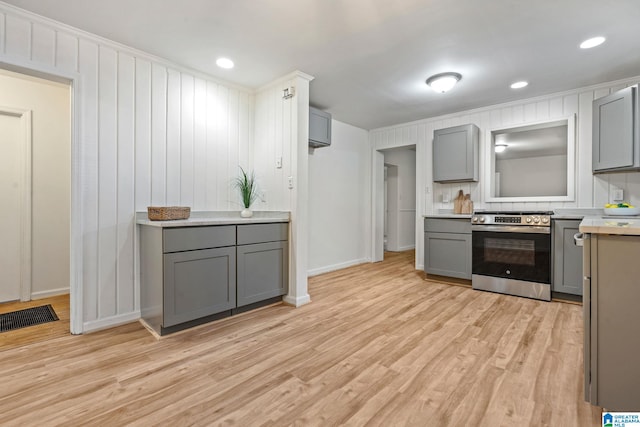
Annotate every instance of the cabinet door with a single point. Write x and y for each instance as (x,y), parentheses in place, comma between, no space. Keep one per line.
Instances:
(567,258)
(613,143)
(448,254)
(455,154)
(263,271)
(319,128)
(198,284)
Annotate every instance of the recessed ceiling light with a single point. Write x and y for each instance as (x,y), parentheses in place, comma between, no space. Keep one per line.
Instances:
(519,85)
(592,42)
(443,82)
(224,63)
(499,148)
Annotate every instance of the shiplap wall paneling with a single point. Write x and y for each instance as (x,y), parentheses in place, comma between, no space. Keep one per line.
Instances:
(88,128)
(187,122)
(143,132)
(125,292)
(158,135)
(17,37)
(43,44)
(173,159)
(2,32)
(200,145)
(66,52)
(107,181)
(223,169)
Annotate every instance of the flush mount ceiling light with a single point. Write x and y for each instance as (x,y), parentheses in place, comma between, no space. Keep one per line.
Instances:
(225,63)
(499,148)
(592,42)
(443,82)
(519,85)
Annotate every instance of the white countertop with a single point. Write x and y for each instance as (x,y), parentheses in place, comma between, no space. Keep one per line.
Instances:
(448,215)
(216,218)
(611,225)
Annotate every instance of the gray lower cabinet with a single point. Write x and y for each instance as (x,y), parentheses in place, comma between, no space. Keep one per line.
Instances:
(567,258)
(190,275)
(198,284)
(262,271)
(447,247)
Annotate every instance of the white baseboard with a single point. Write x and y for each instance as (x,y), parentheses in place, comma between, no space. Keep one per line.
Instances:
(49,293)
(297,301)
(110,322)
(334,267)
(406,248)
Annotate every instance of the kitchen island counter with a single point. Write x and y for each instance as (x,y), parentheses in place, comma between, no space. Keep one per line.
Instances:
(611,225)
(200,218)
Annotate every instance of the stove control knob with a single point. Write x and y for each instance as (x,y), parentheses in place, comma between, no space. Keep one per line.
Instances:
(474,219)
(536,220)
(545,220)
(528,220)
(482,219)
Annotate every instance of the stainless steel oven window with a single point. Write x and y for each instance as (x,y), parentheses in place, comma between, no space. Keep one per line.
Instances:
(510,251)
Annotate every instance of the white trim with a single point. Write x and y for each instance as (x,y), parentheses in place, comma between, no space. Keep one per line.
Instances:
(49,293)
(75,239)
(334,267)
(110,322)
(26,221)
(571,161)
(406,248)
(297,301)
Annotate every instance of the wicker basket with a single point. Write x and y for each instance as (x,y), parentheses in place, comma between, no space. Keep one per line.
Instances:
(168,213)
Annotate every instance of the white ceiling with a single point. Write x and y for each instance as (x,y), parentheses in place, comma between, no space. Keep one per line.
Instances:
(370,58)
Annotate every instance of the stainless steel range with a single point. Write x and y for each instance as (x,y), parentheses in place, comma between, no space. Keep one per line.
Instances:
(512,253)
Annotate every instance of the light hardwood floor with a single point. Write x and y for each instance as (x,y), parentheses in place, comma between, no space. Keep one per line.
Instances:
(379,345)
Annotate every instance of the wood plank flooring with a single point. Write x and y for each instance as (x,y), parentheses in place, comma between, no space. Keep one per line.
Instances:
(379,345)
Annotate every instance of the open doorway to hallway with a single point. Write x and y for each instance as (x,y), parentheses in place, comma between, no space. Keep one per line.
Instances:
(399,199)
(36,225)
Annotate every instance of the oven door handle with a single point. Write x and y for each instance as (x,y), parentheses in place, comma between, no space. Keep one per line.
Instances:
(512,229)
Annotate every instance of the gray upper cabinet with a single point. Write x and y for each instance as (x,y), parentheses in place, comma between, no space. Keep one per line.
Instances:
(455,153)
(319,128)
(616,143)
(567,258)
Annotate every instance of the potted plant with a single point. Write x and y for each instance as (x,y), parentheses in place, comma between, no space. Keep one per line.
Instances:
(246,184)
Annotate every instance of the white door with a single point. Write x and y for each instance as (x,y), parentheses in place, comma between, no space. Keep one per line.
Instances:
(11,136)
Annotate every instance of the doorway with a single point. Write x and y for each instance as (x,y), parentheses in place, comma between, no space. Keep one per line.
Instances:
(398,202)
(35,181)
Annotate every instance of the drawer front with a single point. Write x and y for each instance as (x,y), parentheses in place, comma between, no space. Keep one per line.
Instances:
(192,238)
(262,233)
(447,225)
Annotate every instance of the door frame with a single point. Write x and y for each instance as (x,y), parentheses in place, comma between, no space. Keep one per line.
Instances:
(74,80)
(25,202)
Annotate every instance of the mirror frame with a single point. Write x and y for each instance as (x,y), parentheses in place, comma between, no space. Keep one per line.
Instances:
(571,161)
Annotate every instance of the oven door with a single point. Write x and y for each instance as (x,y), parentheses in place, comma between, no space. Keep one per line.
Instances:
(512,255)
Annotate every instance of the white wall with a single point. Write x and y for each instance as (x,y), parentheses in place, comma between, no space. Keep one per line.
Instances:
(50,104)
(149,133)
(545,175)
(402,224)
(590,190)
(339,200)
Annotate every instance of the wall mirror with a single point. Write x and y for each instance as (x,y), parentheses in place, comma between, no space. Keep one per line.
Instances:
(531,163)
